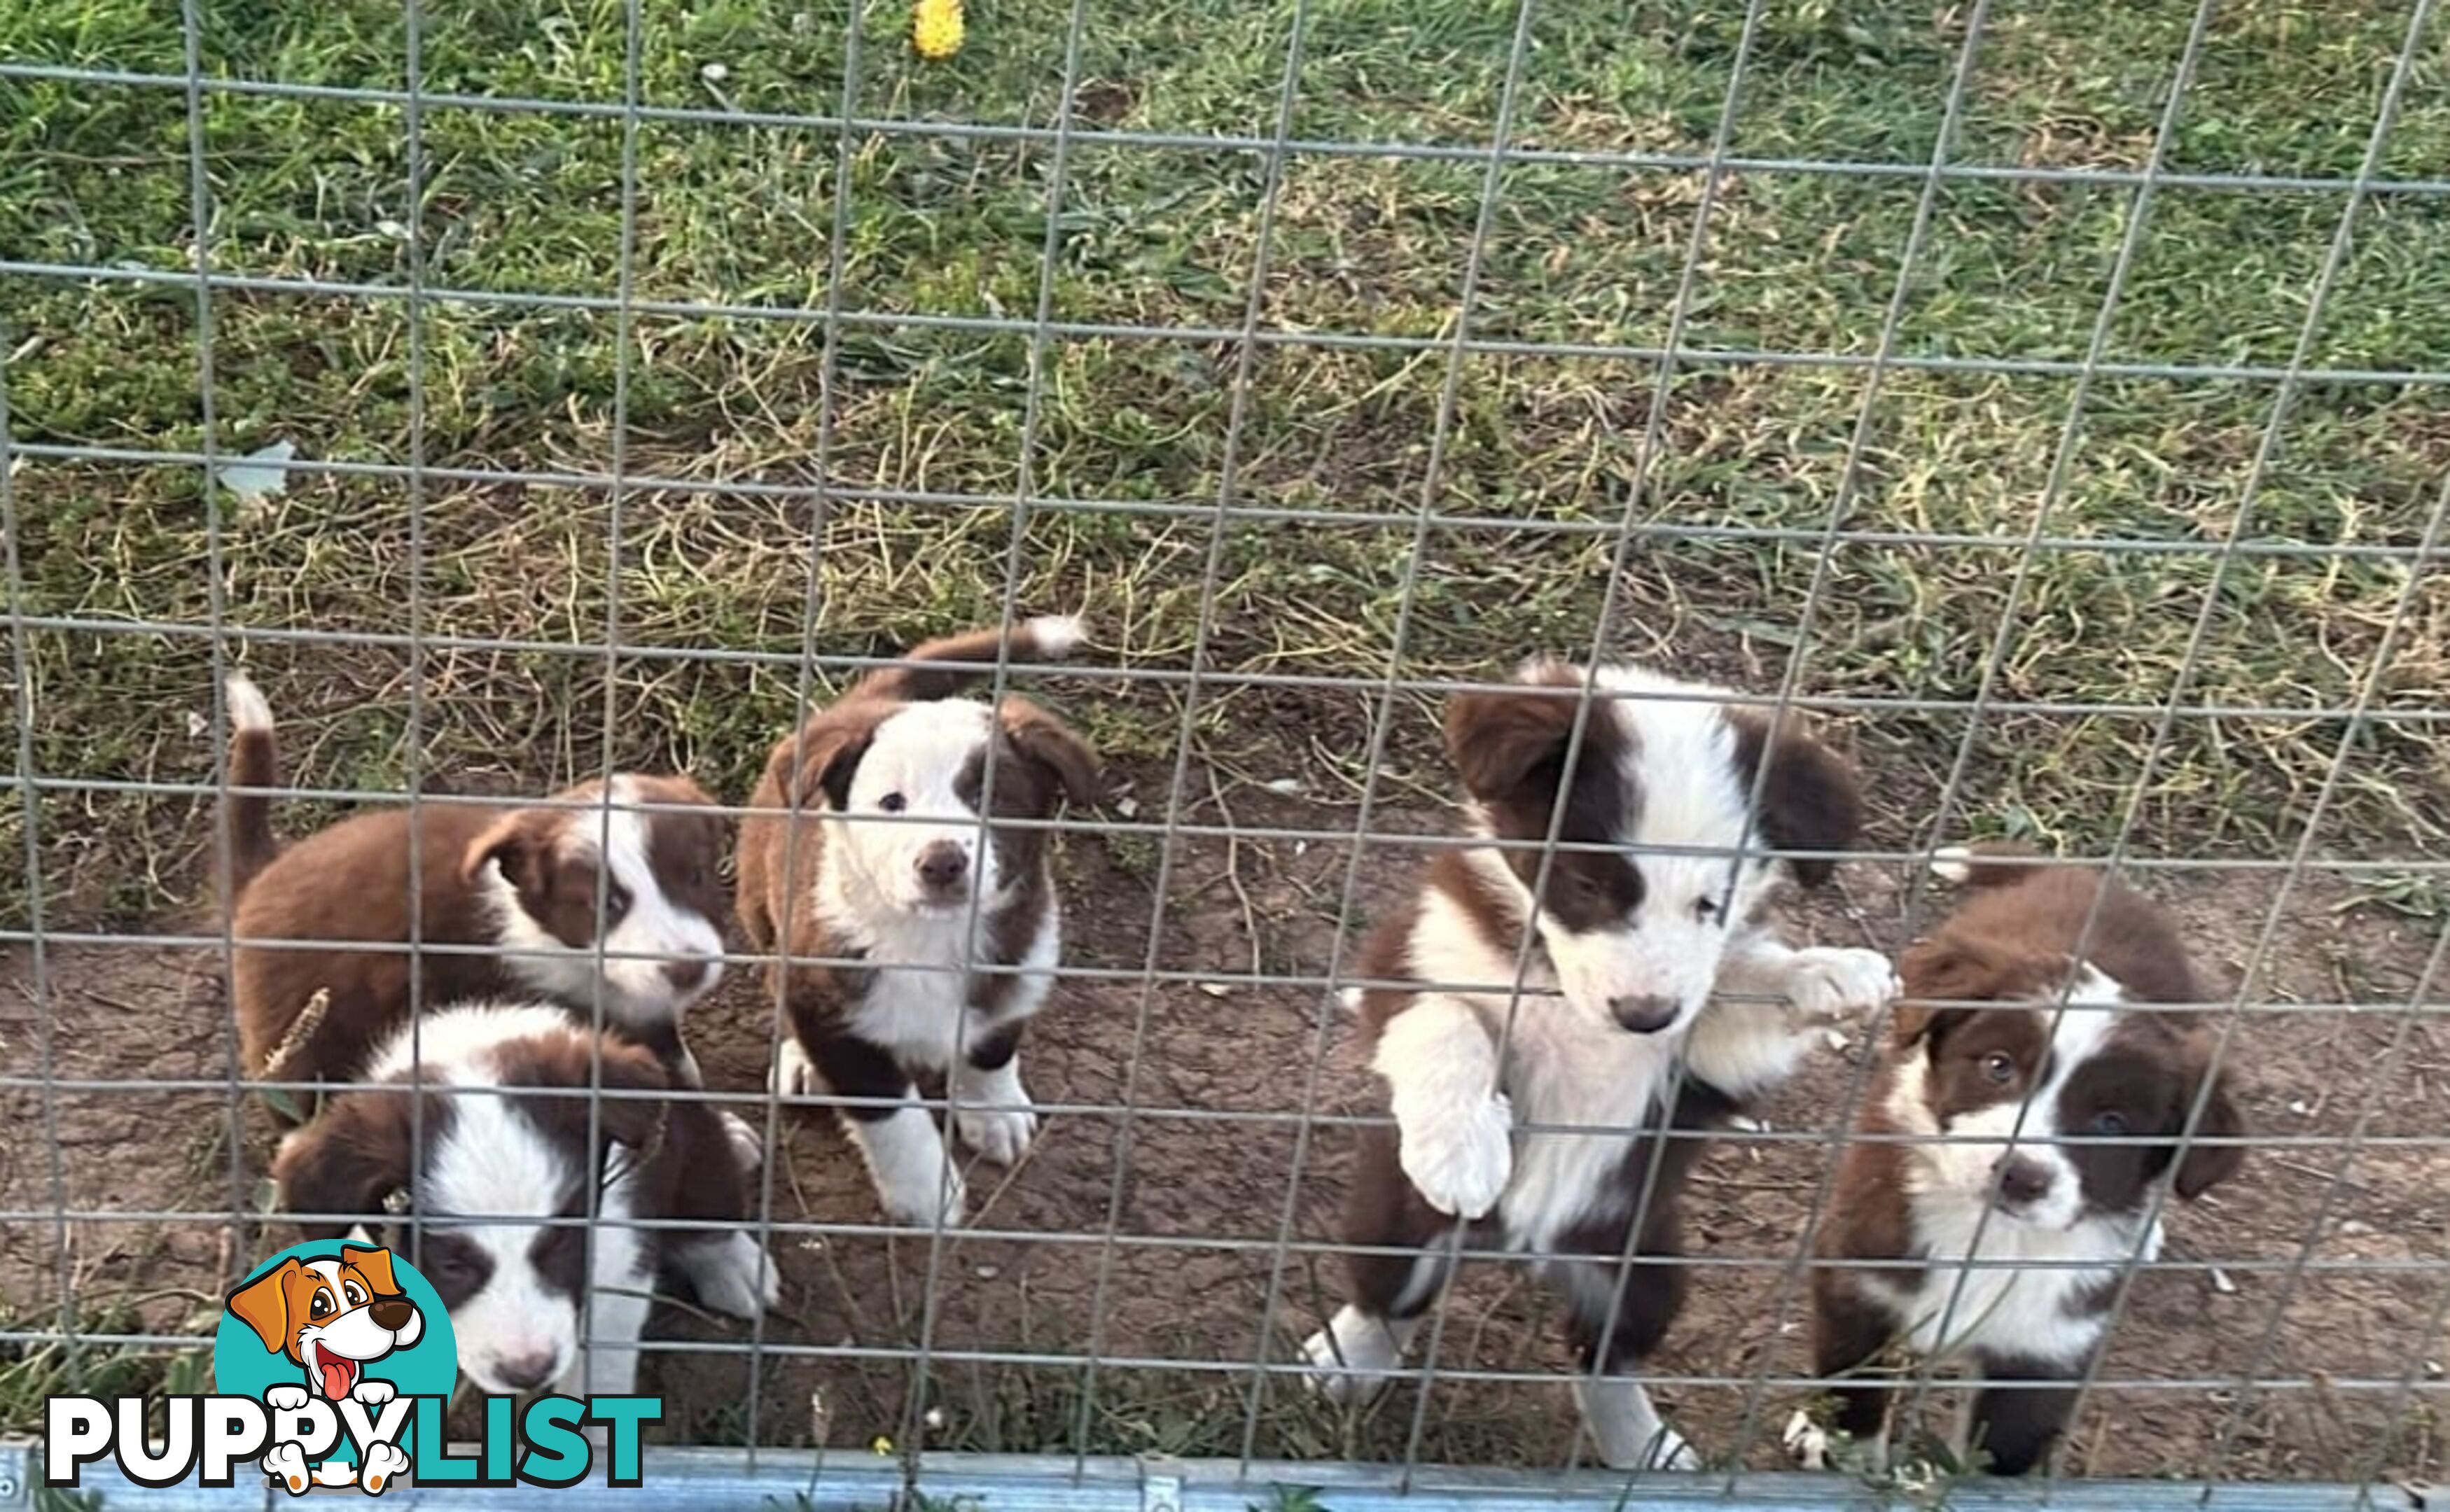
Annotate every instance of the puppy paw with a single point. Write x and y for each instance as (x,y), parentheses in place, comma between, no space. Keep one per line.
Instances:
(1806,1441)
(1461,1160)
(1670,1451)
(737,1277)
(1350,1358)
(287,1462)
(791,1075)
(1829,984)
(1001,1135)
(383,1463)
(746,1147)
(284,1398)
(908,1204)
(373,1393)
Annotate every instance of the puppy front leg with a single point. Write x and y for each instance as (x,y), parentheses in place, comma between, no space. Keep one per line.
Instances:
(992,1111)
(895,1134)
(915,1177)
(1454,1125)
(1756,1035)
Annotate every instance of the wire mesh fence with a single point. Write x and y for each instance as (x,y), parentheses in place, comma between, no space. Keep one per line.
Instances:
(2046,401)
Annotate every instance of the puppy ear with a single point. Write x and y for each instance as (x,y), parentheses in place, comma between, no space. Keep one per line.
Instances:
(1498,742)
(2207,1165)
(827,757)
(632,1121)
(376,1266)
(1932,972)
(262,1305)
(355,1155)
(519,845)
(1047,743)
(1808,797)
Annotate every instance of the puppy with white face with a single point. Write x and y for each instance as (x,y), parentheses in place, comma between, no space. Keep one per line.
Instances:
(488,1150)
(882,865)
(1659,997)
(2055,1095)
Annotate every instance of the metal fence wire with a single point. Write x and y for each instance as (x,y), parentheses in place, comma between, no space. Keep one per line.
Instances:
(2051,402)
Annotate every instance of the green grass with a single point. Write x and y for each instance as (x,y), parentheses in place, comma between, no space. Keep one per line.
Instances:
(523,203)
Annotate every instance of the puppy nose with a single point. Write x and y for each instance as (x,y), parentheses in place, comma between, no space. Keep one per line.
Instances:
(2022,1182)
(941,865)
(525,1372)
(391,1314)
(690,973)
(1646,1014)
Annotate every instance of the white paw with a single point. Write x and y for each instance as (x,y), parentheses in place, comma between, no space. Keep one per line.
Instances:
(791,1075)
(908,1204)
(382,1462)
(287,1462)
(1953,863)
(1829,984)
(1461,1160)
(1351,1357)
(745,1146)
(373,1393)
(1670,1451)
(1806,1441)
(284,1398)
(1629,1430)
(1001,1135)
(737,1277)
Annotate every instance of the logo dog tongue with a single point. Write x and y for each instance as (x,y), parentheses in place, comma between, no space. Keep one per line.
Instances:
(336,1372)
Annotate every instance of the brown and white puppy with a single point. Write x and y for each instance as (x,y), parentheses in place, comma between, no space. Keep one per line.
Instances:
(486,1145)
(1632,942)
(2052,1130)
(899,866)
(525,880)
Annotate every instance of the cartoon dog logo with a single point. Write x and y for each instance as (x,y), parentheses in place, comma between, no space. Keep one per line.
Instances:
(332,1318)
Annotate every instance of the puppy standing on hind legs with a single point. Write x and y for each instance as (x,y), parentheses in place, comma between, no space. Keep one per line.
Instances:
(1630,940)
(902,881)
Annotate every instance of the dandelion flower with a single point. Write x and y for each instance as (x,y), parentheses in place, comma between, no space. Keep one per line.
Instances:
(936,27)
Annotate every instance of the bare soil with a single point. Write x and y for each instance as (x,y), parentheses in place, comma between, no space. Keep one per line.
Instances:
(1194,1201)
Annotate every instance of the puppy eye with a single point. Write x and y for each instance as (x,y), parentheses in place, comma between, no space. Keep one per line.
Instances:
(319,1305)
(893,802)
(1704,909)
(2109,1121)
(616,905)
(1998,1067)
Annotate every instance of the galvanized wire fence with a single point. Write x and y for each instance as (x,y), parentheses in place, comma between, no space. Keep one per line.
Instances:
(2286,1352)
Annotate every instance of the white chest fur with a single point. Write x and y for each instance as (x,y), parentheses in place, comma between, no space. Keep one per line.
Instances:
(1566,1073)
(2022,1295)
(919,983)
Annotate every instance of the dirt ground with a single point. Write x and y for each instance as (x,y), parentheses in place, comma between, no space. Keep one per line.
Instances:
(2337,1342)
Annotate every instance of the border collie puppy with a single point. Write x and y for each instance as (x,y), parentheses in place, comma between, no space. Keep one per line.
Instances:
(528,881)
(915,898)
(2074,1207)
(480,1171)
(1629,944)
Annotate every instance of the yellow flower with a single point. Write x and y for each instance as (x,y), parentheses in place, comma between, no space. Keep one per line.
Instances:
(880,1445)
(936,27)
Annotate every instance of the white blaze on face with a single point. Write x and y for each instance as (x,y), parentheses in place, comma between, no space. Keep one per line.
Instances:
(1684,838)
(491,1164)
(2030,1127)
(912,774)
(656,929)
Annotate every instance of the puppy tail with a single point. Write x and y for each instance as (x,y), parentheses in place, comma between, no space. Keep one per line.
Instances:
(254,761)
(1992,863)
(971,655)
